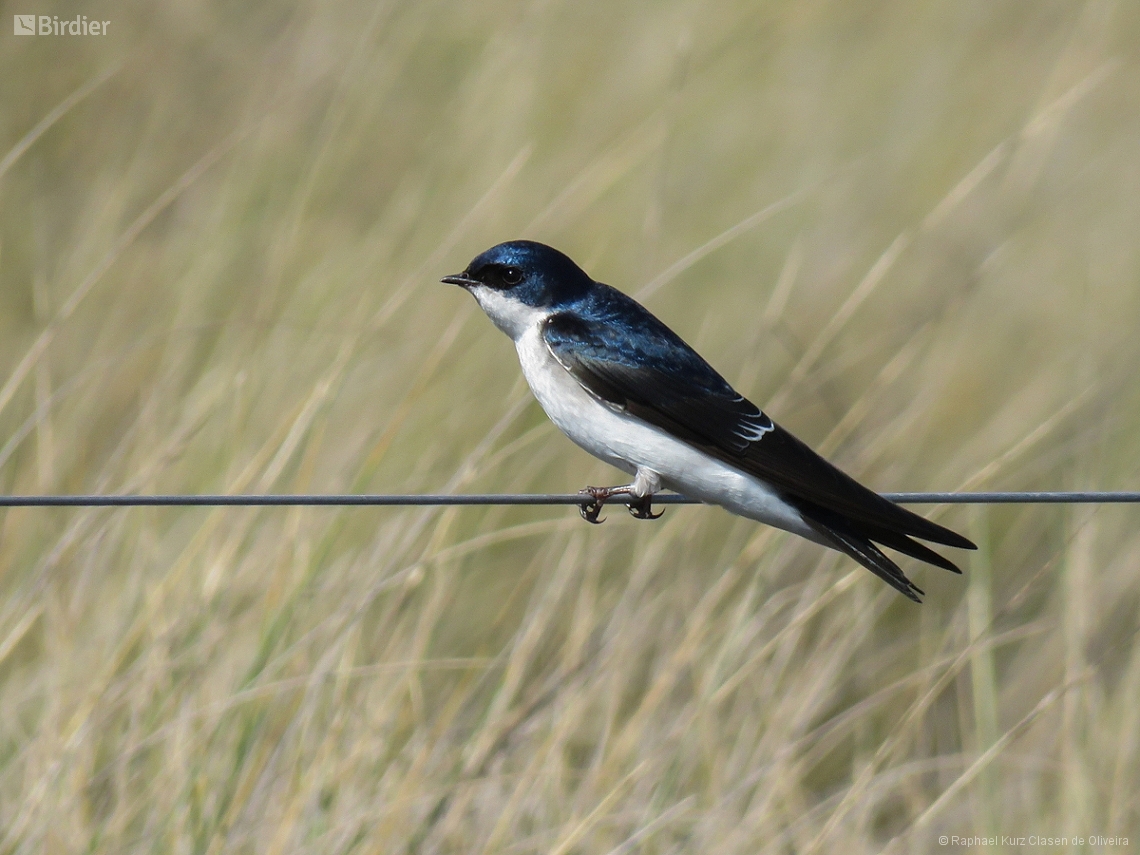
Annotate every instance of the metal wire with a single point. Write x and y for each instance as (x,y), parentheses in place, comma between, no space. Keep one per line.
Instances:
(378,500)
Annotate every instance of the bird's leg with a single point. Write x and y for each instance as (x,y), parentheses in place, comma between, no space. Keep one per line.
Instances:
(641,491)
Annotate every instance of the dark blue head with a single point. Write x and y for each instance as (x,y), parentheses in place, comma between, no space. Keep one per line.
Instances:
(531,273)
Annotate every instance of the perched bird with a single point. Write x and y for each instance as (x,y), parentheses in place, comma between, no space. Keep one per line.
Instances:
(627,389)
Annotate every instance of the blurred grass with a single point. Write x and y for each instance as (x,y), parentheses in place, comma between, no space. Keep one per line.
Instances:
(218,272)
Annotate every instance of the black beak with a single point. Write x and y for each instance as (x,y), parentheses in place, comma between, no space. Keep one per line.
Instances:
(460,279)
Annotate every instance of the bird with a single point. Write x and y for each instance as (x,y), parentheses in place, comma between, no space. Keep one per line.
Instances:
(626,388)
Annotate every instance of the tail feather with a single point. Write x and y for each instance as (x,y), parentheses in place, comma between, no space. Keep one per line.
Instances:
(858,538)
(870,556)
(907,522)
(910,547)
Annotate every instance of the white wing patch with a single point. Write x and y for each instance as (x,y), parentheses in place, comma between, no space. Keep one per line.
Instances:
(753,427)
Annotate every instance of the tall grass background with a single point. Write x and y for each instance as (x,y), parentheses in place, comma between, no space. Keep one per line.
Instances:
(909,229)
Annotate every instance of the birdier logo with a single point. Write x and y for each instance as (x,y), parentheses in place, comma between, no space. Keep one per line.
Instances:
(51,25)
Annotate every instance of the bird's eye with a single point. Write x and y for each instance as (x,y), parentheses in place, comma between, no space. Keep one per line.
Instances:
(512,275)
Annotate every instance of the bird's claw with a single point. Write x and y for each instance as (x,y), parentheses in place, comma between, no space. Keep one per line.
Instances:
(591,505)
(642,509)
(590,510)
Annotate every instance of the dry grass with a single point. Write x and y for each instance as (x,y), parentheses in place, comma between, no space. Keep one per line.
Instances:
(217,273)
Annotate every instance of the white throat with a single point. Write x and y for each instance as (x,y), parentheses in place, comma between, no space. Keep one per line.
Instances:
(510,315)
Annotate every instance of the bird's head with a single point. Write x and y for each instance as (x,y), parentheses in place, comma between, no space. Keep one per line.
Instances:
(521,282)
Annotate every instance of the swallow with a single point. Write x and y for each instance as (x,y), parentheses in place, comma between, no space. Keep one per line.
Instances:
(627,389)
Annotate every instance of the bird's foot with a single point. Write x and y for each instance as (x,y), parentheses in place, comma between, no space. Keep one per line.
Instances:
(642,509)
(594,497)
(592,500)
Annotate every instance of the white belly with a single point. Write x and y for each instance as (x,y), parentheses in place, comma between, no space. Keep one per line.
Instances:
(631,444)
